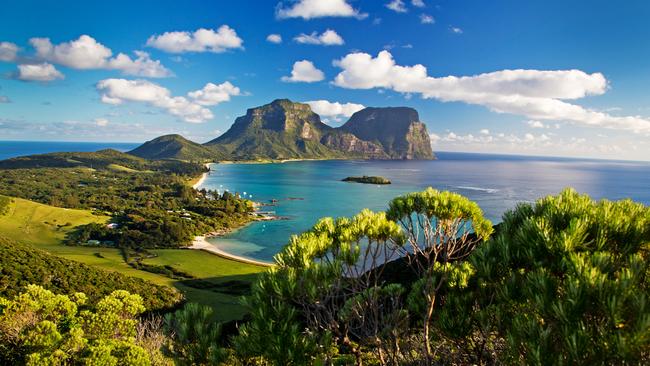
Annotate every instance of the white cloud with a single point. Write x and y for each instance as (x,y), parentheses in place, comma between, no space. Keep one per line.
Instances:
(536,94)
(4,99)
(334,110)
(191,109)
(8,51)
(426,19)
(213,94)
(397,6)
(309,9)
(536,124)
(485,131)
(201,40)
(304,71)
(38,72)
(456,30)
(274,38)
(418,3)
(86,53)
(327,38)
(101,122)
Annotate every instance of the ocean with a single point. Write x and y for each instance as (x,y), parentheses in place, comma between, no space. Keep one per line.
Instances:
(308,190)
(11,149)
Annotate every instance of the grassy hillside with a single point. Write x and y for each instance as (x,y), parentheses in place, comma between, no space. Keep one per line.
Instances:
(45,227)
(176,147)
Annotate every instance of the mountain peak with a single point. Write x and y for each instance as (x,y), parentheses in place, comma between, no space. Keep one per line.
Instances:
(173,146)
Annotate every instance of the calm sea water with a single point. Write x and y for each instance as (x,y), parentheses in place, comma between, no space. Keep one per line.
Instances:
(11,149)
(309,190)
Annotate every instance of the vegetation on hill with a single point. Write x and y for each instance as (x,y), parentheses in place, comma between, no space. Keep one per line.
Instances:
(150,204)
(367,180)
(563,281)
(22,265)
(283,129)
(176,147)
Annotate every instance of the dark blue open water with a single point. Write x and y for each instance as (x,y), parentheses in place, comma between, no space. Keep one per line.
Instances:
(309,190)
(11,149)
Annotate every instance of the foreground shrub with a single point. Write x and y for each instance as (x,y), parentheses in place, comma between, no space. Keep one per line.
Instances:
(565,282)
(38,327)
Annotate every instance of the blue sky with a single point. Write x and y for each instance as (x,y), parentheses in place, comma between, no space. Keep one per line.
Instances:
(543,78)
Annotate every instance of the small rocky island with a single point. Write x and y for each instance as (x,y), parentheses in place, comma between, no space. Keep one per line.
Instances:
(367,180)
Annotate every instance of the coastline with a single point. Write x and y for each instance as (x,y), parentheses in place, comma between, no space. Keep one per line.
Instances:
(204,176)
(200,243)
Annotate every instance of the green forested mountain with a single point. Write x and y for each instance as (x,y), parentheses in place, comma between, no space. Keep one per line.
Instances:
(175,147)
(284,129)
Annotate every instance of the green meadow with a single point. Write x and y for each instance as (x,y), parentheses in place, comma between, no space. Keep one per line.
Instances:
(45,227)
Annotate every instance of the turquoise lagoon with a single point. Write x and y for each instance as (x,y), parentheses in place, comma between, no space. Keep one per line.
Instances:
(308,190)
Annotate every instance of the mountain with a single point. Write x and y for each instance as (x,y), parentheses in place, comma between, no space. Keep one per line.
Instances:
(279,130)
(284,129)
(174,147)
(397,129)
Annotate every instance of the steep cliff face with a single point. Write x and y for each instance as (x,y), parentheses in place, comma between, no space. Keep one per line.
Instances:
(278,130)
(350,144)
(286,130)
(397,129)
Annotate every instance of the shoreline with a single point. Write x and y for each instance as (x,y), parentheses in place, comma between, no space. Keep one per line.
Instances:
(200,243)
(201,180)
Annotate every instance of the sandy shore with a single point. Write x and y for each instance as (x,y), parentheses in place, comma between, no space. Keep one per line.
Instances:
(202,244)
(202,179)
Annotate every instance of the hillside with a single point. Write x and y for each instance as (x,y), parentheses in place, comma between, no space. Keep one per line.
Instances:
(174,147)
(21,265)
(284,129)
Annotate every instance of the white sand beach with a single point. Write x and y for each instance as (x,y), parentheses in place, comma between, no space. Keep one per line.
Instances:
(202,244)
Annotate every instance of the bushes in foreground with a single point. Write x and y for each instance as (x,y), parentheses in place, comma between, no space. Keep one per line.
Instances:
(565,281)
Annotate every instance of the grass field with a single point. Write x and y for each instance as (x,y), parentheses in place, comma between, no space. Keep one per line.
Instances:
(45,227)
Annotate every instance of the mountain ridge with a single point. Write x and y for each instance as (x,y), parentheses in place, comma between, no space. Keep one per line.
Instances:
(283,130)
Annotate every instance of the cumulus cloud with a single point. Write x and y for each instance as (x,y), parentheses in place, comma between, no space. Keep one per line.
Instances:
(418,3)
(38,72)
(213,94)
(334,110)
(327,38)
(304,71)
(536,124)
(189,109)
(101,122)
(536,94)
(8,51)
(426,19)
(274,38)
(397,6)
(201,40)
(86,53)
(309,9)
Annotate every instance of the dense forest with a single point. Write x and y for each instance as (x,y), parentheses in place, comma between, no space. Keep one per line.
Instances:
(563,281)
(150,202)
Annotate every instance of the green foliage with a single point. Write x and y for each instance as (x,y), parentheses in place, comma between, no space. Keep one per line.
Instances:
(566,282)
(21,265)
(151,202)
(4,204)
(38,327)
(317,289)
(195,335)
(176,147)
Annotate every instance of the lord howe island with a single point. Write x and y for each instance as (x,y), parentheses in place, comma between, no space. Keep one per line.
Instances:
(406,183)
